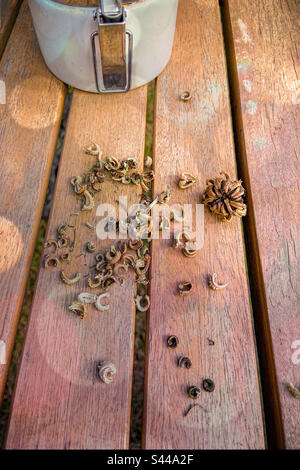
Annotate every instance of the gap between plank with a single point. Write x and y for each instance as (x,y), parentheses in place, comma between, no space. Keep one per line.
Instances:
(274,427)
(9,25)
(137,399)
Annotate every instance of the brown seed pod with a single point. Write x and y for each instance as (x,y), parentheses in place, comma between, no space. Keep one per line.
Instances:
(208,385)
(184,362)
(185,96)
(63,242)
(142,265)
(65,257)
(185,288)
(79,309)
(172,342)
(186,180)
(112,255)
(194,392)
(224,197)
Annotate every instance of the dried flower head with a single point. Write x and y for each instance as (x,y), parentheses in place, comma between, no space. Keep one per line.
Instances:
(225,197)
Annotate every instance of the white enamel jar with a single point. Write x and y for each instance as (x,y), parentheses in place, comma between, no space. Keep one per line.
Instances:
(64,35)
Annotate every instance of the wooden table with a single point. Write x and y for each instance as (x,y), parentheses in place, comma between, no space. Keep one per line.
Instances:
(240,62)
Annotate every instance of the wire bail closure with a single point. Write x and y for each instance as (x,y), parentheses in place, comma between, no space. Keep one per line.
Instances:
(115,51)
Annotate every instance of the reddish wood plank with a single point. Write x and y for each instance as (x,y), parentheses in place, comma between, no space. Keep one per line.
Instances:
(59,400)
(8,12)
(266,45)
(196,136)
(29,124)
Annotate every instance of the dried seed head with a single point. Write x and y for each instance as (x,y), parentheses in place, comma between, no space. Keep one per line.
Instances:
(213,283)
(225,197)
(185,288)
(194,392)
(184,362)
(172,342)
(79,309)
(208,385)
(106,371)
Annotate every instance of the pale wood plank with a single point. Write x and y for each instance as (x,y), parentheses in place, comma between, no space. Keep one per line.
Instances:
(197,136)
(59,400)
(266,45)
(29,124)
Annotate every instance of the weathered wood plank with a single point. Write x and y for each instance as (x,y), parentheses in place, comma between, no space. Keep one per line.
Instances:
(196,136)
(29,124)
(60,401)
(266,47)
(8,12)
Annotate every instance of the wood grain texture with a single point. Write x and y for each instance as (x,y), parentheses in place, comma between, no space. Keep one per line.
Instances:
(8,12)
(29,124)
(196,136)
(266,46)
(60,401)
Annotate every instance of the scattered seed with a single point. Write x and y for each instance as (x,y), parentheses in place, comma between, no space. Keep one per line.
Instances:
(208,385)
(71,280)
(191,407)
(106,371)
(142,303)
(98,304)
(51,262)
(148,162)
(184,362)
(90,226)
(90,247)
(210,342)
(293,390)
(185,288)
(79,309)
(213,283)
(186,180)
(194,392)
(172,342)
(185,96)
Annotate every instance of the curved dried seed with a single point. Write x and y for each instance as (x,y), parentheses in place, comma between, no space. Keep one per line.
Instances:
(186,180)
(208,385)
(89,201)
(189,250)
(106,371)
(194,392)
(213,283)
(135,244)
(63,242)
(184,362)
(65,257)
(68,280)
(185,96)
(50,243)
(87,298)
(94,283)
(79,309)
(172,342)
(185,288)
(93,149)
(179,236)
(148,162)
(98,304)
(142,302)
(51,262)
(293,390)
(90,247)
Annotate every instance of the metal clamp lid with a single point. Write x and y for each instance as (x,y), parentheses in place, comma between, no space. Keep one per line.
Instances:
(116,62)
